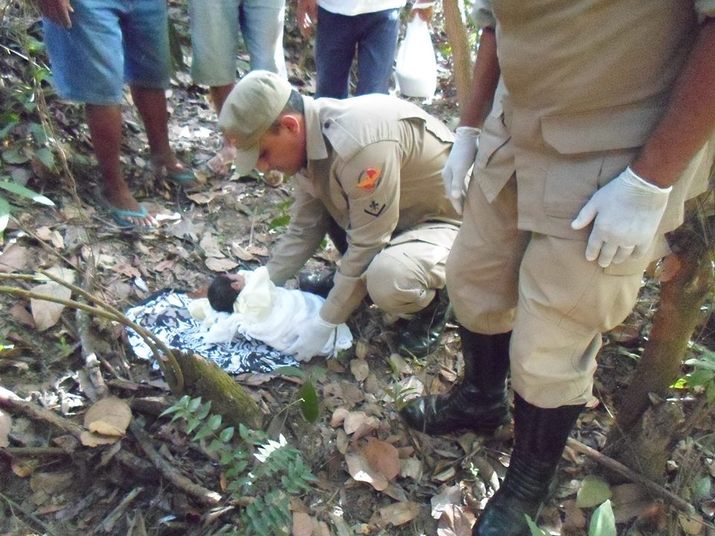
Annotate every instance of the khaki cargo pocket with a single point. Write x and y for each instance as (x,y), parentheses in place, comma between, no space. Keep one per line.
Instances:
(494,164)
(590,149)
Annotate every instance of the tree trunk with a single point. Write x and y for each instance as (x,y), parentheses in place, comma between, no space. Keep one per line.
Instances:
(203,378)
(678,314)
(461,55)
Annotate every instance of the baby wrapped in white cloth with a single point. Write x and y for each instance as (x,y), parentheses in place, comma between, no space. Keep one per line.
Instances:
(265,312)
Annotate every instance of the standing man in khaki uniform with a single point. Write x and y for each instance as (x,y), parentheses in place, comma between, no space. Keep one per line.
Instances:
(372,165)
(602,127)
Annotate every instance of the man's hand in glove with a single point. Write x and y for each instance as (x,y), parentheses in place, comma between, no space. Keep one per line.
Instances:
(312,339)
(626,213)
(461,158)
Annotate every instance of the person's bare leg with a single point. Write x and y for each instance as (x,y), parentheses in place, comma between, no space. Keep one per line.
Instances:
(105,128)
(151,103)
(219,163)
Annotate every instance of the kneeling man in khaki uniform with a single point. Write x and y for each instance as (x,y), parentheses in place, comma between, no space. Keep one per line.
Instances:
(371,165)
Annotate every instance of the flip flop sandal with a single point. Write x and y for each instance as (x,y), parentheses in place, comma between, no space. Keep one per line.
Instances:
(181,177)
(124,217)
(184,177)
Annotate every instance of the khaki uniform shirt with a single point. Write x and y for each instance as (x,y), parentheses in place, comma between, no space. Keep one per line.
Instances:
(374,166)
(586,83)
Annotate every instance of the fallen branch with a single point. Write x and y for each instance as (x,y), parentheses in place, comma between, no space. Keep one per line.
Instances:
(38,522)
(206,496)
(656,489)
(107,524)
(29,452)
(165,358)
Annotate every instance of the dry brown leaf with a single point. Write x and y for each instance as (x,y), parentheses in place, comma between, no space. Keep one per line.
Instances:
(5,424)
(52,236)
(342,441)
(691,525)
(46,314)
(220,265)
(398,364)
(360,369)
(361,470)
(303,524)
(574,517)
(455,521)
(354,420)
(23,468)
(14,259)
(382,456)
(442,502)
(241,253)
(90,439)
(338,417)
(261,251)
(399,513)
(109,416)
(19,313)
(628,501)
(209,244)
(411,468)
(203,198)
(51,483)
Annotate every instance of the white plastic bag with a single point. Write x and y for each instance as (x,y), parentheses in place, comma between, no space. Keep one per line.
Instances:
(416,67)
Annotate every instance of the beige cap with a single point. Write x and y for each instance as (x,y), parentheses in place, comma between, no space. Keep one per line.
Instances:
(249,110)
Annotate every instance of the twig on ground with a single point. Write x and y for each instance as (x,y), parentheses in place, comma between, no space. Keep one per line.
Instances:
(35,451)
(656,489)
(107,524)
(29,515)
(205,496)
(166,359)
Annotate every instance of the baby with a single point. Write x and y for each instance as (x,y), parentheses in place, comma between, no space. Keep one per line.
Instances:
(250,304)
(224,290)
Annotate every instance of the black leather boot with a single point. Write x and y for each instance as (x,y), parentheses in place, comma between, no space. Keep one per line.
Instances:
(420,334)
(318,282)
(539,438)
(479,402)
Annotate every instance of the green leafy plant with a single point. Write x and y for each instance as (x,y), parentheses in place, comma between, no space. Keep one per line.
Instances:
(307,395)
(703,373)
(282,220)
(593,492)
(251,467)
(21,192)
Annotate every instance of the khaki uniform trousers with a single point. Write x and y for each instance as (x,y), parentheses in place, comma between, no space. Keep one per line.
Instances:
(402,278)
(542,288)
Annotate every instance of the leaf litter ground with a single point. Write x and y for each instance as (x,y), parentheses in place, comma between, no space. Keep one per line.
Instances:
(375,475)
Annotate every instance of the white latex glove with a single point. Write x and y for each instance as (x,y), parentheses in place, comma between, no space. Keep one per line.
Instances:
(460,159)
(312,339)
(627,212)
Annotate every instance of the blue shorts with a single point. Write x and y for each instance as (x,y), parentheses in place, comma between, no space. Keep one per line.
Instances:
(111,42)
(215,29)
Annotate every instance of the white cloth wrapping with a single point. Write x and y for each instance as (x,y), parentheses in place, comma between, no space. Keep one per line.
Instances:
(265,312)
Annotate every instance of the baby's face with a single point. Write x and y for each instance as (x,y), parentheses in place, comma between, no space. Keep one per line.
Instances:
(237,282)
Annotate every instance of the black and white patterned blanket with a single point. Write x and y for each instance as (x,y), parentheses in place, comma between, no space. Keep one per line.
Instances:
(166,315)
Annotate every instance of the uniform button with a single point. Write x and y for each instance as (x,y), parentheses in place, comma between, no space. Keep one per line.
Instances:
(326,124)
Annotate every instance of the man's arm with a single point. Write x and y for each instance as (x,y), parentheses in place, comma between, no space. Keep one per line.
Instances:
(57,11)
(307,14)
(689,120)
(307,227)
(485,77)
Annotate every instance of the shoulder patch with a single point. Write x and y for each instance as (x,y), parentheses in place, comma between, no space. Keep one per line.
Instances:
(369,179)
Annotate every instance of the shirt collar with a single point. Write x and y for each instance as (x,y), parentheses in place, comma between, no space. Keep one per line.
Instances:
(315,143)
